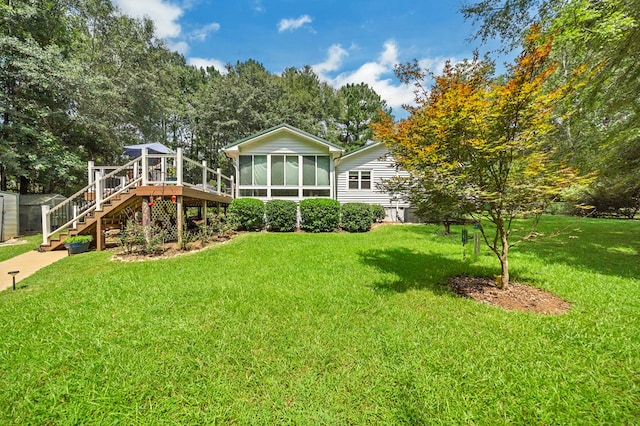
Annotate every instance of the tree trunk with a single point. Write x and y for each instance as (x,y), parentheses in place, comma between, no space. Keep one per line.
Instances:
(3,178)
(24,185)
(146,218)
(503,283)
(447,227)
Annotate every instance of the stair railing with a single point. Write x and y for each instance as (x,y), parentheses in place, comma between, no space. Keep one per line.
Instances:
(148,169)
(103,188)
(199,176)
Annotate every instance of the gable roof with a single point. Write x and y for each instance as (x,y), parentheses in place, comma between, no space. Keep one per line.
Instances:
(282,128)
(360,150)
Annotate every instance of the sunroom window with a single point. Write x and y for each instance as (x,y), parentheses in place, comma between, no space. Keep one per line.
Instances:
(315,170)
(253,170)
(284,170)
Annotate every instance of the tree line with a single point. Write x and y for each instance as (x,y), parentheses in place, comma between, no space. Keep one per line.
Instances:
(596,125)
(560,124)
(79,80)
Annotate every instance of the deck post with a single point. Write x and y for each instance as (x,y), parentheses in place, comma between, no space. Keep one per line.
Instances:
(46,223)
(233,188)
(204,212)
(99,184)
(219,179)
(99,235)
(145,167)
(204,175)
(180,220)
(136,171)
(179,166)
(90,166)
(75,214)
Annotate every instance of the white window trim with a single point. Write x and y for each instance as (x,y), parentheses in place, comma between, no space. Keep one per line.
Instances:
(300,187)
(359,188)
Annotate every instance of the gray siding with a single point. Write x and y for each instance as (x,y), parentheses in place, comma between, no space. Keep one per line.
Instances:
(377,160)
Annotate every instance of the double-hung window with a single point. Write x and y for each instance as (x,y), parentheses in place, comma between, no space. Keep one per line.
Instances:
(360,179)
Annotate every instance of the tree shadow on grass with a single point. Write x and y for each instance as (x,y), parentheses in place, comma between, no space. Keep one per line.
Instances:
(607,247)
(415,270)
(602,250)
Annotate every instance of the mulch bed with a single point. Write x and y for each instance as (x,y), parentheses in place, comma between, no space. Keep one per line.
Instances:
(519,297)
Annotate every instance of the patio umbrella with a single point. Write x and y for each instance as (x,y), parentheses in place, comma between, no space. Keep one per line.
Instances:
(152,148)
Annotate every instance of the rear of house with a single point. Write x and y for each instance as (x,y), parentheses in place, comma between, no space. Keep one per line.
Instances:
(287,163)
(359,175)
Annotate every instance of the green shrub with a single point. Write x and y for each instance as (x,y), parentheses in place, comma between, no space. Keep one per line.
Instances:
(378,212)
(282,215)
(319,215)
(248,213)
(78,239)
(356,217)
(136,239)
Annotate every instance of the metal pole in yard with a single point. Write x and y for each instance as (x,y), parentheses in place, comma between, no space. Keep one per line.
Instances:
(13,275)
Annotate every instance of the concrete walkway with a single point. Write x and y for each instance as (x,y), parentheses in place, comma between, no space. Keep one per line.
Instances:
(27,263)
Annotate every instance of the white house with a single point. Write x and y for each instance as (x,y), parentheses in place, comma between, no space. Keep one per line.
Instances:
(284,162)
(360,172)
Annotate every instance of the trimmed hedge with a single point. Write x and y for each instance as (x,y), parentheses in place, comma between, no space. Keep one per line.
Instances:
(378,212)
(319,215)
(356,217)
(248,213)
(282,215)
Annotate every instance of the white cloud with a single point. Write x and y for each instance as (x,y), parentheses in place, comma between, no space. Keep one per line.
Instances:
(389,55)
(378,74)
(201,34)
(181,47)
(293,24)
(435,65)
(204,63)
(257,6)
(333,61)
(164,15)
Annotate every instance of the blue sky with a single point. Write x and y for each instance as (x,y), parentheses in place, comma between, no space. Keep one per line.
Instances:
(347,41)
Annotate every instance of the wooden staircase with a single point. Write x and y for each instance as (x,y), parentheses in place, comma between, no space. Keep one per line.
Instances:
(111,189)
(110,215)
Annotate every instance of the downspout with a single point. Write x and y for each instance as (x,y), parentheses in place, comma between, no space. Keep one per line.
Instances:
(336,161)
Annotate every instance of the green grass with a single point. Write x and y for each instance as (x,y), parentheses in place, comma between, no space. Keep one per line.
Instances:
(13,250)
(328,329)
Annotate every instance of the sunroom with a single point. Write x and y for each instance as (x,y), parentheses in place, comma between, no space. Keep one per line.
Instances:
(284,163)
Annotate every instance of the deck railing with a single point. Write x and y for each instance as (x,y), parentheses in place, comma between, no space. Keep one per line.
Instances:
(106,182)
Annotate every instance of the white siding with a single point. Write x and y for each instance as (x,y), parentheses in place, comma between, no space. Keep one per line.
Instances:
(377,160)
(283,143)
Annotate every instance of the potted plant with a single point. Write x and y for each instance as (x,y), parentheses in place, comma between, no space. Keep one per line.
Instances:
(77,243)
(171,174)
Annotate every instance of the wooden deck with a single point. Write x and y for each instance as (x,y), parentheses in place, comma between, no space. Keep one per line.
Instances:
(115,194)
(191,196)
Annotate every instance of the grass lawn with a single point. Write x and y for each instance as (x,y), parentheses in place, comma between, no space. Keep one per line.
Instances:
(328,329)
(13,250)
